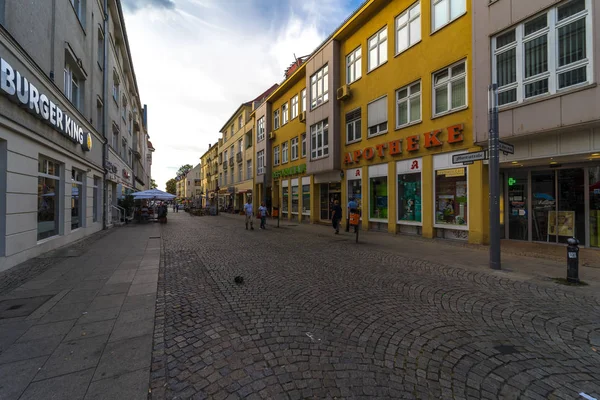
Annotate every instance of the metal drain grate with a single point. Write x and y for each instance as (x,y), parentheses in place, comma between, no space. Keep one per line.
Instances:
(21,307)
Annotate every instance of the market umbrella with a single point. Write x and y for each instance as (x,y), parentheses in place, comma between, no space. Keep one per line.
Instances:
(153,194)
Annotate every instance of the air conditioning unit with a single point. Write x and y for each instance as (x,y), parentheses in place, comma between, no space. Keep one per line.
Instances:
(302,116)
(343,92)
(271,135)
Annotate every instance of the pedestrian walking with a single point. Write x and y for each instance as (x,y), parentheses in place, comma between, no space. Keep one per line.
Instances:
(177,208)
(336,216)
(248,212)
(351,204)
(262,213)
(174,206)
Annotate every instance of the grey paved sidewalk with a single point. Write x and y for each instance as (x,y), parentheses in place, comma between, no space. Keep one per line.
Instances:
(90,333)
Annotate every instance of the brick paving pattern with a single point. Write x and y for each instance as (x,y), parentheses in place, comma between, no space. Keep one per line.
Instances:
(321,317)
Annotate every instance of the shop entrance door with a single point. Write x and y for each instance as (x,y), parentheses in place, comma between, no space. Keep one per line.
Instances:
(324,201)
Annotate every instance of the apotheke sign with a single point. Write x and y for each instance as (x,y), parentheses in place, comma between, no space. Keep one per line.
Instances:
(16,86)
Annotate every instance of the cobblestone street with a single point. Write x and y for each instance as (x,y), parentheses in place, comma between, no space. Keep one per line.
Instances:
(321,317)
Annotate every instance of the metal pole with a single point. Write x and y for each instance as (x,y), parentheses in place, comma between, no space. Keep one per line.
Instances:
(494,178)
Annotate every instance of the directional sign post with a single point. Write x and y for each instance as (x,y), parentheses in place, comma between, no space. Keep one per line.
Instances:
(506,148)
(468,158)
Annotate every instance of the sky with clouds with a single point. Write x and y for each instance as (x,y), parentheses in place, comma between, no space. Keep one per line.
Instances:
(196,61)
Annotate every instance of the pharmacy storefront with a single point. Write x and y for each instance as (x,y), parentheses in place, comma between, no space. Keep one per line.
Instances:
(51,177)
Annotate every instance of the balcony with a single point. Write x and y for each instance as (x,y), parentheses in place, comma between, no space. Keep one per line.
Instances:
(238,157)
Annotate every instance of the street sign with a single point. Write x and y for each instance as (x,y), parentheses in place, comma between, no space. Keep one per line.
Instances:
(469,157)
(506,148)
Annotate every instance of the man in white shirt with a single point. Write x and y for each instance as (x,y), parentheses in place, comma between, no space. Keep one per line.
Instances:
(248,212)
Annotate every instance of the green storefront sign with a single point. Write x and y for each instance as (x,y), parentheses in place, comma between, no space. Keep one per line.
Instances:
(299,169)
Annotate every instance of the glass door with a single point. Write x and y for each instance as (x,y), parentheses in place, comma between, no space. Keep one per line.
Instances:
(571,205)
(543,189)
(324,201)
(518,224)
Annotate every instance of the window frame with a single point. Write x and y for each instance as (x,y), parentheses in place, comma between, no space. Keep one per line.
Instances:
(448,84)
(303,145)
(449,12)
(276,155)
(276,119)
(285,152)
(72,85)
(551,31)
(260,162)
(285,113)
(407,99)
(260,129)
(377,46)
(303,99)
(319,79)
(294,148)
(323,132)
(387,122)
(294,107)
(351,65)
(409,20)
(353,122)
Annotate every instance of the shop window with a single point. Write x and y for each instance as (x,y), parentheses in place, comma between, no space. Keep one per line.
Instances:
(295,199)
(3,178)
(451,196)
(355,190)
(518,203)
(284,202)
(450,89)
(594,198)
(97,198)
(353,126)
(409,192)
(48,198)
(77,198)
(377,118)
(305,199)
(408,28)
(378,198)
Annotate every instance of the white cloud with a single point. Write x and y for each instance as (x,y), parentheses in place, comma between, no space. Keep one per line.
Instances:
(197,62)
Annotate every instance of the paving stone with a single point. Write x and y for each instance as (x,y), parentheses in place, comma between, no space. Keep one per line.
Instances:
(15,377)
(31,349)
(130,386)
(70,386)
(46,330)
(124,356)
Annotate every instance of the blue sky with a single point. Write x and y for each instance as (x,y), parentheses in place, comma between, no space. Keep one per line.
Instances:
(196,61)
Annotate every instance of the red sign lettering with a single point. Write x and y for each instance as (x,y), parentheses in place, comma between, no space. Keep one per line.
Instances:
(412,143)
(455,133)
(380,148)
(395,147)
(357,154)
(369,153)
(415,165)
(357,173)
(431,139)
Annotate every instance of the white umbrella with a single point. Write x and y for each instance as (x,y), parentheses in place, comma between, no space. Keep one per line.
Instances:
(153,194)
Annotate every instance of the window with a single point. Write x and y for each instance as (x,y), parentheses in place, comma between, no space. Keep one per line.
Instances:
(276,155)
(260,162)
(378,49)
(100,48)
(319,87)
(225,159)
(409,191)
(249,169)
(303,95)
(99,115)
(303,145)
(124,109)
(220,179)
(451,196)
(294,147)
(378,192)
(77,197)
(295,199)
(72,86)
(284,114)
(78,7)
(319,138)
(294,102)
(305,197)
(232,175)
(408,28)
(555,48)
(97,198)
(276,119)
(450,88)
(240,145)
(260,130)
(285,200)
(446,11)
(48,198)
(377,117)
(231,131)
(354,185)
(240,122)
(115,142)
(353,129)
(284,152)
(225,179)
(130,124)
(408,104)
(116,82)
(354,65)
(240,173)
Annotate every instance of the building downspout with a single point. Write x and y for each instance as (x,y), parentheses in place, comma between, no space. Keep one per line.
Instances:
(104,120)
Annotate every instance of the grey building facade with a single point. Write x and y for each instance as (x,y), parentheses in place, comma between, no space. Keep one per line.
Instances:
(73,135)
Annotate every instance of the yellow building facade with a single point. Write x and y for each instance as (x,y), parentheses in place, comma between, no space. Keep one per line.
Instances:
(405,90)
(210,174)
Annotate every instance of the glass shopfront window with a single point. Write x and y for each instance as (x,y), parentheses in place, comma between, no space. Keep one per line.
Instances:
(409,182)
(77,196)
(451,196)
(48,198)
(354,186)
(378,192)
(594,198)
(518,226)
(306,199)
(284,202)
(295,200)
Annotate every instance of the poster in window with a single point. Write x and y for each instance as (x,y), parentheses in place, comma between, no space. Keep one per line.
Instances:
(564,226)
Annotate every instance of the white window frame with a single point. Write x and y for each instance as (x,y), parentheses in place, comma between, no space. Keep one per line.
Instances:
(354,122)
(72,86)
(303,96)
(285,113)
(276,119)
(241,122)
(377,45)
(294,102)
(405,20)
(276,155)
(451,5)
(284,152)
(260,162)
(78,8)
(354,65)
(553,69)
(387,122)
(319,130)
(248,169)
(410,96)
(116,87)
(319,87)
(303,145)
(294,148)
(448,84)
(260,129)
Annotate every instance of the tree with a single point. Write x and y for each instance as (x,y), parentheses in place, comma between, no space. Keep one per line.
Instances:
(153,184)
(172,186)
(184,169)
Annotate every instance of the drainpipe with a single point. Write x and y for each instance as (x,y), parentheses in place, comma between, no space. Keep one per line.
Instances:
(105,119)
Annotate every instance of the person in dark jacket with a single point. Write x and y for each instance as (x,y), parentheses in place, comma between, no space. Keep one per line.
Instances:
(336,216)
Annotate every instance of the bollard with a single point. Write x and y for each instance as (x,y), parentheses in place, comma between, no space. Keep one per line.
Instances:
(573,260)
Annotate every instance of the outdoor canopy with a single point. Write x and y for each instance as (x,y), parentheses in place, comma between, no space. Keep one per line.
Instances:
(153,194)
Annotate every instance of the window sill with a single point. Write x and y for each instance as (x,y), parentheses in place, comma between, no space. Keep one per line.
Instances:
(377,134)
(544,97)
(451,226)
(420,121)
(319,158)
(378,220)
(377,67)
(294,159)
(48,239)
(449,112)
(354,81)
(415,223)
(408,48)
(354,141)
(320,105)
(433,32)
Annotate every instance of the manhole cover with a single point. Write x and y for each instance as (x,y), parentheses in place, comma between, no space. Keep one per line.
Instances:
(506,349)
(21,307)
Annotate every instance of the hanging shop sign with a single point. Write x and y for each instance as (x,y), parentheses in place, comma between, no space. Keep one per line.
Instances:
(299,169)
(126,174)
(412,144)
(17,87)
